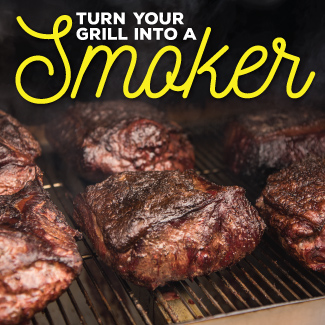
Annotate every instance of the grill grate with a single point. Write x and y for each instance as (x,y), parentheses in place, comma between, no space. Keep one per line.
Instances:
(99,296)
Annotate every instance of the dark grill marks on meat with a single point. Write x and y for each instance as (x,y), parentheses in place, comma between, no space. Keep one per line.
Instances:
(38,254)
(18,150)
(102,138)
(293,205)
(154,227)
(273,140)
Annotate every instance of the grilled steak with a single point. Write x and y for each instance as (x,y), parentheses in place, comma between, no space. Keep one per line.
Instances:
(272,140)
(38,254)
(153,227)
(293,206)
(103,138)
(18,150)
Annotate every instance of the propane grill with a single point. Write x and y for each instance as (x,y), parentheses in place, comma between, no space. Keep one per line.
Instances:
(266,278)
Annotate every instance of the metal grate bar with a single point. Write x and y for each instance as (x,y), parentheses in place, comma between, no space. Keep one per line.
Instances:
(48,316)
(106,304)
(203,297)
(185,302)
(283,256)
(164,303)
(255,284)
(65,306)
(93,256)
(222,294)
(253,297)
(101,293)
(87,257)
(139,307)
(310,283)
(202,168)
(40,318)
(206,166)
(215,159)
(143,313)
(196,298)
(66,319)
(89,301)
(287,275)
(273,287)
(234,292)
(75,305)
(214,302)
(275,276)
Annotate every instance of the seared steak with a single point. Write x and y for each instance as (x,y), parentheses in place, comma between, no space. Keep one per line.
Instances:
(153,227)
(272,140)
(101,138)
(293,206)
(38,254)
(18,150)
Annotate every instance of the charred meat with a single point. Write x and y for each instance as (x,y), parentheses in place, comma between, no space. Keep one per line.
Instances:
(269,141)
(18,150)
(293,206)
(154,227)
(101,138)
(38,254)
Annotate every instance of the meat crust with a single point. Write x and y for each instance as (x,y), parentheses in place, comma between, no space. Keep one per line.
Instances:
(38,254)
(293,206)
(155,227)
(101,138)
(18,150)
(272,140)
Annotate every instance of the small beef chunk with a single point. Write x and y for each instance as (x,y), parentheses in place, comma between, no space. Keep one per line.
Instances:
(293,206)
(102,138)
(18,150)
(154,227)
(268,141)
(38,254)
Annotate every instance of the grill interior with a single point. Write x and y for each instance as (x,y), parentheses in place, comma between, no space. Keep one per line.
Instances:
(99,296)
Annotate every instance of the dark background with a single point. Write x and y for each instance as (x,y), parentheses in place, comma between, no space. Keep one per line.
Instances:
(239,24)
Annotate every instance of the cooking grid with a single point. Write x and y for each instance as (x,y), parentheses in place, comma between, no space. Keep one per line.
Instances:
(99,296)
